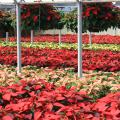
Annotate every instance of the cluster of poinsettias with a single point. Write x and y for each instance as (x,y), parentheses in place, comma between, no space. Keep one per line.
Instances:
(98,39)
(60,58)
(40,100)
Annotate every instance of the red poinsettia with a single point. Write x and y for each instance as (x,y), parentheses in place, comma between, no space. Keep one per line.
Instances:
(49,102)
(72,38)
(45,12)
(93,60)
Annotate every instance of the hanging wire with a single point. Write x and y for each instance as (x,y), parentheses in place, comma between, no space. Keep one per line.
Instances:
(15,29)
(39,18)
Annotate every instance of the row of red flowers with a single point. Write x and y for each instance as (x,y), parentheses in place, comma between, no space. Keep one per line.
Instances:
(92,60)
(39,100)
(99,39)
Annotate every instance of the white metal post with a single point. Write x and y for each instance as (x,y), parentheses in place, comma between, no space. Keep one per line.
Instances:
(32,36)
(18,23)
(7,37)
(54,33)
(80,39)
(115,31)
(90,39)
(60,35)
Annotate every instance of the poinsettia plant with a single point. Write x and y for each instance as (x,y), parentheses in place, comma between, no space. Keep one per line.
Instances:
(96,17)
(43,16)
(106,60)
(99,17)
(72,38)
(117,10)
(5,23)
(40,100)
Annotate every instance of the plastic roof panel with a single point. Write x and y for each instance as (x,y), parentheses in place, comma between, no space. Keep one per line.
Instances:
(50,1)
(47,1)
(36,1)
(6,1)
(62,1)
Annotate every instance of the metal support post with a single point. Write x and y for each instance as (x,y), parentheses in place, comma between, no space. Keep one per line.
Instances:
(60,35)
(80,39)
(18,23)
(32,36)
(7,37)
(90,39)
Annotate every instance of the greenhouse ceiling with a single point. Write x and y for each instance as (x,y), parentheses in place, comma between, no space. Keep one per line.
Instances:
(50,1)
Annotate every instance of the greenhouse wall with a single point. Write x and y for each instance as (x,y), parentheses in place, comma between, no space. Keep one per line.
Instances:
(65,31)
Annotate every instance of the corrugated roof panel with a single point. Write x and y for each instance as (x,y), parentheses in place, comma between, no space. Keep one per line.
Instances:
(51,1)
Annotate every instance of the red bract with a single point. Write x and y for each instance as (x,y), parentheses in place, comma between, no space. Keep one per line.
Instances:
(99,39)
(7,118)
(95,12)
(28,14)
(109,107)
(48,18)
(35,18)
(7,96)
(45,105)
(92,60)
